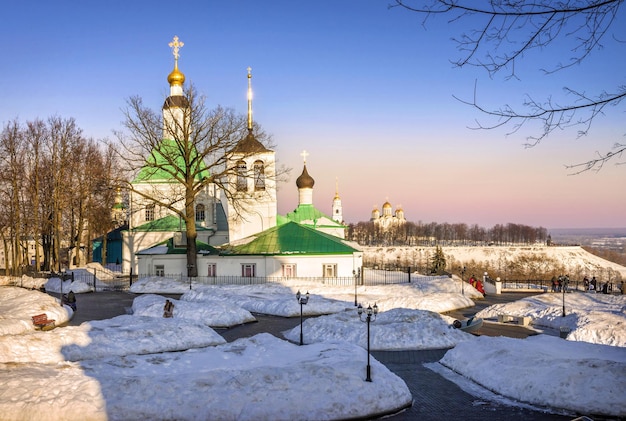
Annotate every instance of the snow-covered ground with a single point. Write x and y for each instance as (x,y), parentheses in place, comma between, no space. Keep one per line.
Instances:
(144,366)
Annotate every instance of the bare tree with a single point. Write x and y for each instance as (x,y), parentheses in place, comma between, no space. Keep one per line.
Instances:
(504,31)
(11,182)
(64,139)
(192,146)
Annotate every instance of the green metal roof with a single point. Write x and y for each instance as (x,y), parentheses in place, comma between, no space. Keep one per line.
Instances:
(167,247)
(167,223)
(159,168)
(289,238)
(309,215)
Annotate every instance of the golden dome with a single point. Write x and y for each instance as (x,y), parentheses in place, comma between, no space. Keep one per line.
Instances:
(176,77)
(387,205)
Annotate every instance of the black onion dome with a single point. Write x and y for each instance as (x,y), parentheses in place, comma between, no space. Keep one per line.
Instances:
(305,180)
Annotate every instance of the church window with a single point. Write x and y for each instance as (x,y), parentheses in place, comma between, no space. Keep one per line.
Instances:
(259,176)
(242,181)
(330,270)
(212,270)
(248,270)
(149,215)
(200,214)
(289,270)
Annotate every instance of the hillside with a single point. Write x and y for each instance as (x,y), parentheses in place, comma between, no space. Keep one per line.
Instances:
(574,259)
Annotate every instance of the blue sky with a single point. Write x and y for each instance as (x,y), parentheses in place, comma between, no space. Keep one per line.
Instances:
(366,90)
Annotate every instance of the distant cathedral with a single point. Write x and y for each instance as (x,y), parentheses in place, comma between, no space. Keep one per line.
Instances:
(388,218)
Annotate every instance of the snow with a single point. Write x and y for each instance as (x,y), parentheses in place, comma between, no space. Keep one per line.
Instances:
(144,366)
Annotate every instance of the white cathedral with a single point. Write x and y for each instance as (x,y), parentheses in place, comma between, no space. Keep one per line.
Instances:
(255,241)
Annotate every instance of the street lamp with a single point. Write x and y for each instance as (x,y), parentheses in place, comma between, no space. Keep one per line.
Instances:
(369,312)
(356,275)
(564,283)
(302,300)
(62,279)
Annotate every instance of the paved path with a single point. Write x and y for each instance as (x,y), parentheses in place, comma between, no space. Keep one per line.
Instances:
(435,398)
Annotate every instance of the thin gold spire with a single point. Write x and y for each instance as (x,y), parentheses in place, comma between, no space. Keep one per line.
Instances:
(249,98)
(336,187)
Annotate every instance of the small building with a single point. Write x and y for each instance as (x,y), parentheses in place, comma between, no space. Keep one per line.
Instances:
(289,250)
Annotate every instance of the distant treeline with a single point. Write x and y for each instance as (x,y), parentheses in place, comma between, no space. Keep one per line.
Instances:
(434,234)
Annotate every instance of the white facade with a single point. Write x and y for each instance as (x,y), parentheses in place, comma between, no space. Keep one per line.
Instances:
(318,266)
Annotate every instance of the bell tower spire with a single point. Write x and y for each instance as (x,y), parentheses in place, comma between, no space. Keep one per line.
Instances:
(249,99)
(337,208)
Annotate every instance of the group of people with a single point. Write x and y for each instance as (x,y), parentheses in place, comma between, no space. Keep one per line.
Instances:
(560,284)
(605,287)
(477,284)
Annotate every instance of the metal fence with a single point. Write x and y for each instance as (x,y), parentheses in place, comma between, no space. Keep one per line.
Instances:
(368,276)
(98,280)
(547,286)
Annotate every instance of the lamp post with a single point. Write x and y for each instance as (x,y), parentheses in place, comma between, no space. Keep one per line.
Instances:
(564,283)
(302,300)
(62,279)
(369,312)
(356,276)
(463,280)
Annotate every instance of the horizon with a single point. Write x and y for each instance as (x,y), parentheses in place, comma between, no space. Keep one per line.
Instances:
(368,91)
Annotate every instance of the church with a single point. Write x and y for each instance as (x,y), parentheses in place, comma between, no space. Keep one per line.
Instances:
(232,240)
(388,218)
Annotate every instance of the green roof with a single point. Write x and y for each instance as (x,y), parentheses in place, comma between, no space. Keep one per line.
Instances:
(309,215)
(167,247)
(289,238)
(159,168)
(167,223)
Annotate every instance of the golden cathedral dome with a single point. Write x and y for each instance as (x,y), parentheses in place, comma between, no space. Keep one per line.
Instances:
(176,77)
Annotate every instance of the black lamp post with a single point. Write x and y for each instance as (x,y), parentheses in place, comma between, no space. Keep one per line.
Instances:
(354,274)
(62,279)
(564,283)
(302,300)
(369,312)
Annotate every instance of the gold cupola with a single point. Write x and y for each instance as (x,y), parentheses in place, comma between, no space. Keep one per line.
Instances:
(176,77)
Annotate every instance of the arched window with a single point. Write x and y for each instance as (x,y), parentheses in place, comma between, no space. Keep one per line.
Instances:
(242,182)
(200,215)
(259,176)
(149,212)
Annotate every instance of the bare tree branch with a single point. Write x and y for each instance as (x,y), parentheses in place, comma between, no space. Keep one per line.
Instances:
(503,31)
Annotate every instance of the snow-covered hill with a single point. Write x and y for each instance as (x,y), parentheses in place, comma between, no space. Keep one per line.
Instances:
(574,258)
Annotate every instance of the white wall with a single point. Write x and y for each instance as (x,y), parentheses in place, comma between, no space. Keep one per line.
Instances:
(306,266)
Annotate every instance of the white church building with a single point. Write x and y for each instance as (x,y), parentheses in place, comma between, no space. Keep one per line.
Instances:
(231,242)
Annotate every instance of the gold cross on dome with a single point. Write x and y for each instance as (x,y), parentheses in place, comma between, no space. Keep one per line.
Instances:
(304,154)
(176,45)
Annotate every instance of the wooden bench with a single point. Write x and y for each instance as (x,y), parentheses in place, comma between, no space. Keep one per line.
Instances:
(520,320)
(42,322)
